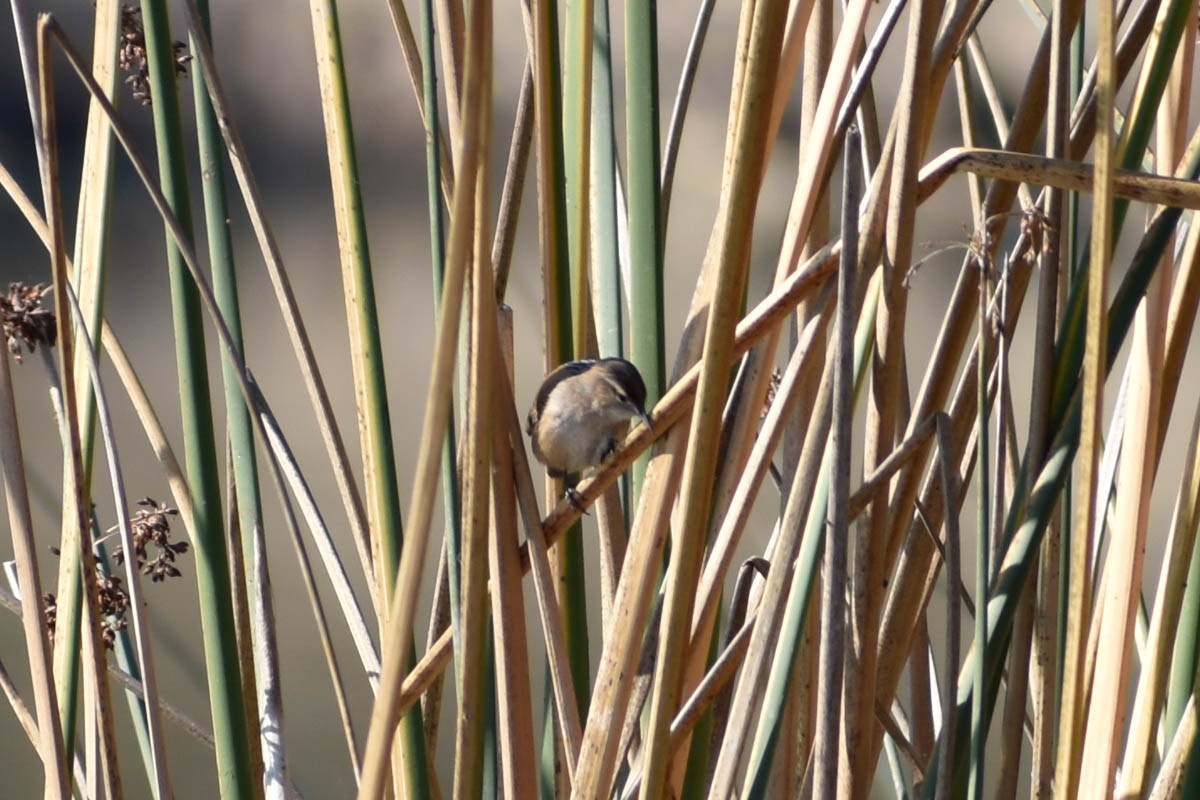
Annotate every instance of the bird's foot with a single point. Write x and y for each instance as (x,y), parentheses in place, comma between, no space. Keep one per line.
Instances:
(576,500)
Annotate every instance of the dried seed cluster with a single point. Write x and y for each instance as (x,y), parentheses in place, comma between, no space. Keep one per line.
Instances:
(151,527)
(133,54)
(24,320)
(113,603)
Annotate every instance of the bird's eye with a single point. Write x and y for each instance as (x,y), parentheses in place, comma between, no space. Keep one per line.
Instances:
(622,398)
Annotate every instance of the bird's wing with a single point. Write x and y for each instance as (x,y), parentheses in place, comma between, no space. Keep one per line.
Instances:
(560,374)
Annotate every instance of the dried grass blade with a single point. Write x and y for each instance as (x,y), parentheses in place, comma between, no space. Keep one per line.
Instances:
(451,29)
(159,773)
(481,365)
(1172,118)
(822,140)
(386,712)
(534,556)
(683,95)
(728,536)
(1175,761)
(49,739)
(833,640)
(412,62)
(1091,753)
(76,544)
(362,317)
(514,703)
(1070,175)
(1055,252)
(948,474)
(952,339)
(599,748)
(335,570)
(286,299)
(1152,681)
(732,251)
(20,710)
(799,537)
(869,570)
(705,694)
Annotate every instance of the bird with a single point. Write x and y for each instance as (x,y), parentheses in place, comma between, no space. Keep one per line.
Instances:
(582,411)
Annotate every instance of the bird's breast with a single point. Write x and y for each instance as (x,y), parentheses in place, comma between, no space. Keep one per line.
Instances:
(571,439)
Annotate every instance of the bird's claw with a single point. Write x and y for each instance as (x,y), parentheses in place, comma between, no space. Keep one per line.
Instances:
(576,500)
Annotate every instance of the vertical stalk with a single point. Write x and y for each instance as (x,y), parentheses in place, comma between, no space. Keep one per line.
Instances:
(383,507)
(646,332)
(870,569)
(577,136)
(474,652)
(606,260)
(437,249)
(16,495)
(558,338)
(398,635)
(1054,254)
(731,255)
(979,716)
(577,117)
(1070,737)
(235,771)
(366,356)
(833,610)
(261,673)
(90,266)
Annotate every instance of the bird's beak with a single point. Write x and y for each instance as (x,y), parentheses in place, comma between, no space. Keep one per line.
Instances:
(645,415)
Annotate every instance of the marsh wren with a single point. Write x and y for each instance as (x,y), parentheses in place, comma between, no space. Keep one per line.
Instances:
(582,412)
